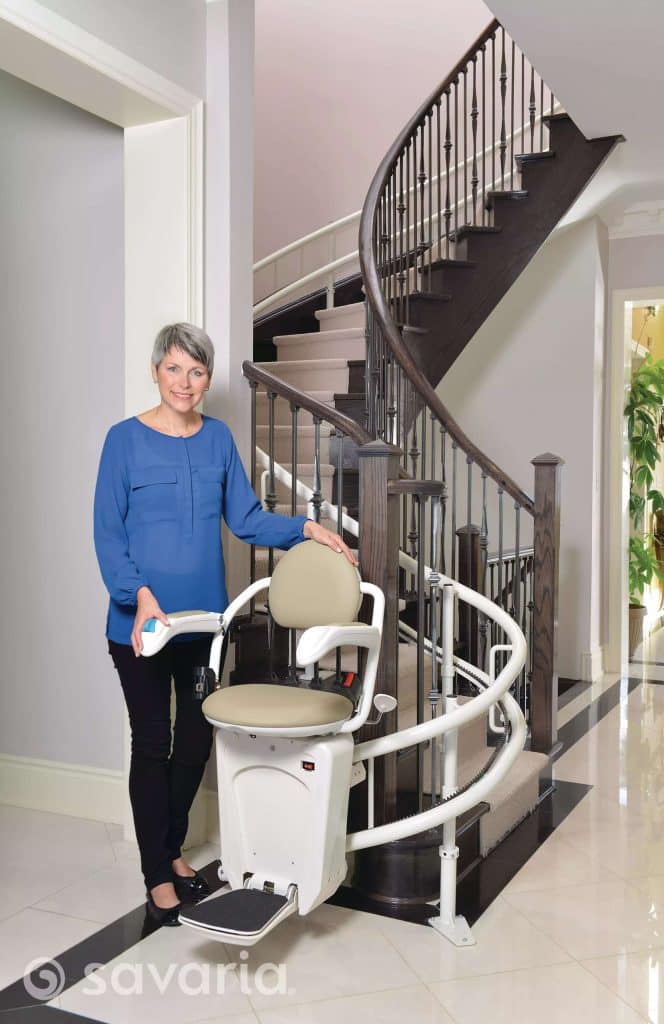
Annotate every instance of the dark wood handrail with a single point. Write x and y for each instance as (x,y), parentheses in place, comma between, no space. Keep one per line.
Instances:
(379,305)
(302,400)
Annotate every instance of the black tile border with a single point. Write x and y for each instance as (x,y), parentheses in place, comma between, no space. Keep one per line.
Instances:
(570,693)
(475,892)
(578,726)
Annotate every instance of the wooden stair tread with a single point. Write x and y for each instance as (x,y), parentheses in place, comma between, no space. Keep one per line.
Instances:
(531,158)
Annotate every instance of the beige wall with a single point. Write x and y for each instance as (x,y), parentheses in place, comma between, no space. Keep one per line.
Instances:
(335,82)
(530,382)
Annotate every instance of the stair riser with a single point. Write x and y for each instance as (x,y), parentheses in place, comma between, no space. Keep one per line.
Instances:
(313,378)
(320,347)
(354,408)
(355,378)
(476,247)
(450,280)
(282,445)
(507,212)
(341,318)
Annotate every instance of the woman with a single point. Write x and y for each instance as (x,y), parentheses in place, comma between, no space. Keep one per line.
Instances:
(165,479)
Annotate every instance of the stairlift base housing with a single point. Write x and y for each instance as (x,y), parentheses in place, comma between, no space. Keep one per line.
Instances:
(282,810)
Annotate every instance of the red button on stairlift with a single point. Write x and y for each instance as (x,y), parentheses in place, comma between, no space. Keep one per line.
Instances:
(308,766)
(348,681)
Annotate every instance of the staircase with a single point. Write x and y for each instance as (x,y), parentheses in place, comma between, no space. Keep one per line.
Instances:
(463,199)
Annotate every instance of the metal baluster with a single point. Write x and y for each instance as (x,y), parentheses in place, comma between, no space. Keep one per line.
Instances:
(531,630)
(420,647)
(416,281)
(456,159)
(430,190)
(474,112)
(414,454)
(271,497)
(454,501)
(443,439)
(470,582)
(503,95)
(422,178)
(484,549)
(465,145)
(407,232)
(516,584)
(448,147)
(438,169)
(339,434)
(532,107)
(396,312)
(522,126)
(401,207)
(512,122)
(484,211)
(493,111)
(316,499)
(501,599)
(434,582)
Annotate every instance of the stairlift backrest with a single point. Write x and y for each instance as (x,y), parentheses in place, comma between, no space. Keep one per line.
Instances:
(314,586)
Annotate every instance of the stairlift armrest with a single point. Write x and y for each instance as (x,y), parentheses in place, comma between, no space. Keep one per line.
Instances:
(317,641)
(156,635)
(244,598)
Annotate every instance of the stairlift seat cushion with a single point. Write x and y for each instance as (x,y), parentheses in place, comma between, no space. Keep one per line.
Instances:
(312,585)
(271,706)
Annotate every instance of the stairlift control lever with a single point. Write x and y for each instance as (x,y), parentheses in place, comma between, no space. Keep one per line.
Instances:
(155,634)
(383,703)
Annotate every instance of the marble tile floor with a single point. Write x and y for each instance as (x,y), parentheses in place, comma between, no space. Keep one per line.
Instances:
(576,935)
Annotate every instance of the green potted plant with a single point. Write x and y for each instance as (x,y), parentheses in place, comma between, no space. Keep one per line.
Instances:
(644,433)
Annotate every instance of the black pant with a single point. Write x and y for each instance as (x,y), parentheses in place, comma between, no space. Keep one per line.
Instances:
(162,787)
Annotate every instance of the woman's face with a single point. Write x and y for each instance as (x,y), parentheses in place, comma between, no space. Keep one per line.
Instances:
(181,379)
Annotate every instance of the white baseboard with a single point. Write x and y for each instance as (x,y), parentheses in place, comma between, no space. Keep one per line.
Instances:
(592,664)
(95,793)
(77,790)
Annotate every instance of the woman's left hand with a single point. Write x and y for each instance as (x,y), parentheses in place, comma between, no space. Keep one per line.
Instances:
(314,531)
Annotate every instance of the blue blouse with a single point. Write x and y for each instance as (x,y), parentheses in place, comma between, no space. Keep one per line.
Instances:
(157,518)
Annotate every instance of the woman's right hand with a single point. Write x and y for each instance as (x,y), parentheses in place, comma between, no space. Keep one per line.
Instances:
(148,608)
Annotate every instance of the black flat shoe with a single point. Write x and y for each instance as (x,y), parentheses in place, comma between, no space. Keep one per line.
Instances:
(163,915)
(189,889)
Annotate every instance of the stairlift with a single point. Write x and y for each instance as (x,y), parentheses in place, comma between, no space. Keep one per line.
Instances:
(284,751)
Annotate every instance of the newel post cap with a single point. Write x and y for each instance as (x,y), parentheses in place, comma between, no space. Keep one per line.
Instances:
(547,459)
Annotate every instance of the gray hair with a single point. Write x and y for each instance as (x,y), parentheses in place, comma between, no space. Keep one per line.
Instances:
(188,338)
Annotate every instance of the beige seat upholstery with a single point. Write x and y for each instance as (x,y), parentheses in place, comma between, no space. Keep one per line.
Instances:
(310,586)
(270,706)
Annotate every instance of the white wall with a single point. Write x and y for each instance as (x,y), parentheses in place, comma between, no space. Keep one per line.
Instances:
(165,35)
(335,82)
(530,382)
(62,386)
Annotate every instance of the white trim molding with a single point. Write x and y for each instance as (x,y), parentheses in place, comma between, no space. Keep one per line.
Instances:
(640,219)
(78,790)
(43,48)
(617,501)
(592,664)
(164,195)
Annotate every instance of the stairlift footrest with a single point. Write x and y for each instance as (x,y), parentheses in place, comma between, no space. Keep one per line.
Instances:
(242,916)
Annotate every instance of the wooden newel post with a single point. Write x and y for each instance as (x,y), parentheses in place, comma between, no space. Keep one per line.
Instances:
(544,699)
(470,574)
(379,555)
